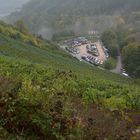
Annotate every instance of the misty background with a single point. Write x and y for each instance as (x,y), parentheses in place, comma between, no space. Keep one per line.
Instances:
(9,6)
(64,18)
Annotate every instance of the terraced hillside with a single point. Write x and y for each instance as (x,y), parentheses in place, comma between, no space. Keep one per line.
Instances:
(47,94)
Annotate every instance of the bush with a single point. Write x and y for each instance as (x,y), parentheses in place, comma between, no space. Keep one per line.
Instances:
(110,64)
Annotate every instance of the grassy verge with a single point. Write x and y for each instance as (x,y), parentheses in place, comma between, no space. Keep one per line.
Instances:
(110,64)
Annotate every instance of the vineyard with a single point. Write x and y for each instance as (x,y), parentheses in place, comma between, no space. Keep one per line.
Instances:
(47,94)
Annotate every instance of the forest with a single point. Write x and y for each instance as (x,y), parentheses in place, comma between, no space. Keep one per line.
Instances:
(78,16)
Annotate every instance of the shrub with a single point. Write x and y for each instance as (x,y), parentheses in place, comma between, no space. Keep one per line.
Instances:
(110,64)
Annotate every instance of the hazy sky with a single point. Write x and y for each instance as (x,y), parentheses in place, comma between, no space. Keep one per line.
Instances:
(8,6)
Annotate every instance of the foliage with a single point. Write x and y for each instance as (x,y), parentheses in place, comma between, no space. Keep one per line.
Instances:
(110,64)
(127,44)
(131,59)
(19,32)
(79,16)
(40,101)
(109,39)
(20,26)
(47,94)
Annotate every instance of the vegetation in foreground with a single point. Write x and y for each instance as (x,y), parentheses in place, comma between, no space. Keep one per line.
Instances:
(46,94)
(110,64)
(42,103)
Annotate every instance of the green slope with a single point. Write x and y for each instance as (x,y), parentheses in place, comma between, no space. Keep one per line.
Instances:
(47,94)
(50,55)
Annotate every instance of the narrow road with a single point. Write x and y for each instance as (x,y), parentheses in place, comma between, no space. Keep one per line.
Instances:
(118,66)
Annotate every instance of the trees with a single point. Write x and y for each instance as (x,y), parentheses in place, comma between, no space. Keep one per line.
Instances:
(109,39)
(131,59)
(110,64)
(20,26)
(69,15)
(117,38)
(123,40)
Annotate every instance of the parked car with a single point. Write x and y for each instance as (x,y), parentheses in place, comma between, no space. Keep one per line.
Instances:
(93,46)
(125,74)
(84,57)
(101,63)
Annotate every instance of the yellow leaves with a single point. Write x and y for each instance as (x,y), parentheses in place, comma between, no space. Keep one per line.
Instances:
(114,103)
(25,37)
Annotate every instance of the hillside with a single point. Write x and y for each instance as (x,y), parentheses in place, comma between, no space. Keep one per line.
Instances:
(47,94)
(43,52)
(49,17)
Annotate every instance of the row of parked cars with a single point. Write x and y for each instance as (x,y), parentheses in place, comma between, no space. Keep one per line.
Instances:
(72,50)
(72,44)
(105,51)
(92,60)
(76,41)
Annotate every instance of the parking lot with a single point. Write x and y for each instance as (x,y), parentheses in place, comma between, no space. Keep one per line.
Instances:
(80,50)
(84,50)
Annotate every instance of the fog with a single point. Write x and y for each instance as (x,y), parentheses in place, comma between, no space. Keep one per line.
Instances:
(8,6)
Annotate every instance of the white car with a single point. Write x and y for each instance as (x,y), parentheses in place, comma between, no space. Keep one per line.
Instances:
(125,74)
(101,63)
